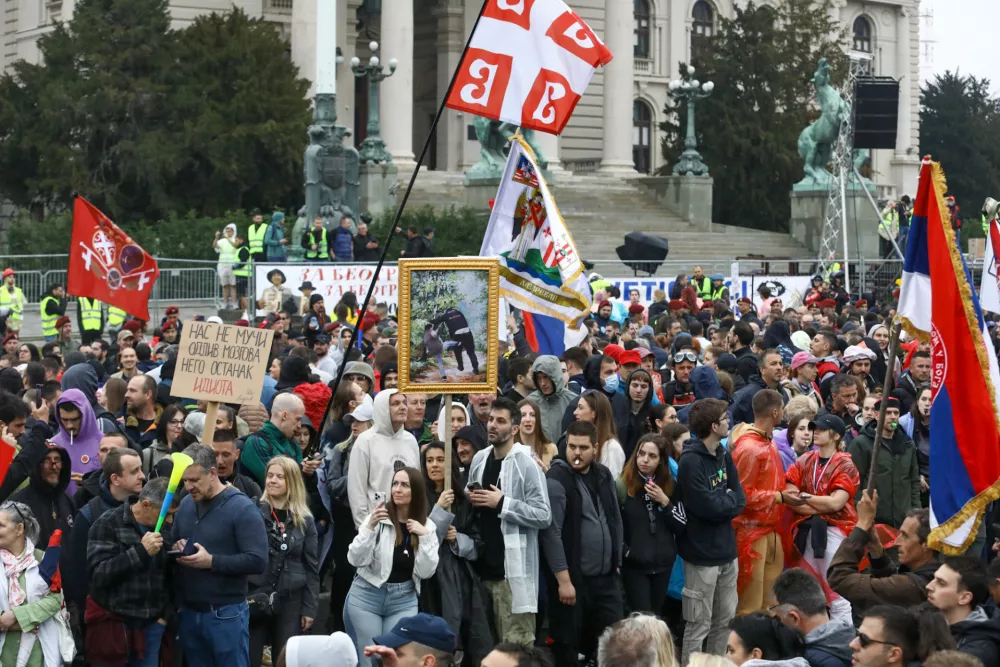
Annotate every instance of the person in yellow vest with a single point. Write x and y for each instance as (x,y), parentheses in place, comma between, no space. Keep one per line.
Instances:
(315,243)
(12,297)
(226,248)
(719,290)
(90,319)
(242,271)
(51,308)
(701,283)
(116,318)
(255,237)
(888,229)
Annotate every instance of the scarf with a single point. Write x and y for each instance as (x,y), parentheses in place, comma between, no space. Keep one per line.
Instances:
(13,567)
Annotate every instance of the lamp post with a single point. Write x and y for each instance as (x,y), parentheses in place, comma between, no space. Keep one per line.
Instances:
(688,89)
(373,148)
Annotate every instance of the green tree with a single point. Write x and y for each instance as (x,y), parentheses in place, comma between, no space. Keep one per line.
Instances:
(148,122)
(960,128)
(761,62)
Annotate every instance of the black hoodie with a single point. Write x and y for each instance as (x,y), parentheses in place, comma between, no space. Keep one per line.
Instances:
(631,425)
(592,381)
(709,488)
(979,635)
(50,504)
(474,436)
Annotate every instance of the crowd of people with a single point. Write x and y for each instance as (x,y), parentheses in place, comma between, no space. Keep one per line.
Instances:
(687,486)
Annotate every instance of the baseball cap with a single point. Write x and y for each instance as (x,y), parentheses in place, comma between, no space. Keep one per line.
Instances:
(125,334)
(322,338)
(829,422)
(629,357)
(892,402)
(801,359)
(365,412)
(431,631)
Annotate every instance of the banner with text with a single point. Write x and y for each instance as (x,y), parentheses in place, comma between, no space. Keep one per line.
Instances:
(223,363)
(332,281)
(790,289)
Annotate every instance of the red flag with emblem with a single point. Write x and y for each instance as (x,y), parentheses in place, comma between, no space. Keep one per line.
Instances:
(105,264)
(528,63)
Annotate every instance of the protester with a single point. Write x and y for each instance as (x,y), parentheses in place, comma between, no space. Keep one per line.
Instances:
(712,496)
(227,457)
(423,640)
(284,599)
(228,544)
(396,547)
(509,491)
(640,640)
(129,603)
(959,589)
(758,639)
(274,438)
(595,408)
(550,395)
(631,410)
(802,606)
(46,495)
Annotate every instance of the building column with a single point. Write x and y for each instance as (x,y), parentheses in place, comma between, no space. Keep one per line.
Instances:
(618,26)
(550,146)
(396,104)
(906,159)
(450,135)
(303,40)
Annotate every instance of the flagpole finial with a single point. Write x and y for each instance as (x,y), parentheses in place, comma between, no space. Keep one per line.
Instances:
(927,159)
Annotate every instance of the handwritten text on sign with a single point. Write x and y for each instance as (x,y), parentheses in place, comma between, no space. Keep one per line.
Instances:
(221,363)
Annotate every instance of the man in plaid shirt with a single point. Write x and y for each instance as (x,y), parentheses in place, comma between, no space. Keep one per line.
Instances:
(129,596)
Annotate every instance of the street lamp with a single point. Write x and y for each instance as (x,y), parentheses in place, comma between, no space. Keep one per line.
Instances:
(373,148)
(688,89)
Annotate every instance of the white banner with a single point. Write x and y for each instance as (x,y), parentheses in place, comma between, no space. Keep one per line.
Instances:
(790,289)
(333,281)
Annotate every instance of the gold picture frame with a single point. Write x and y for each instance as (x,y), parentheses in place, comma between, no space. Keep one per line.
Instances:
(475,298)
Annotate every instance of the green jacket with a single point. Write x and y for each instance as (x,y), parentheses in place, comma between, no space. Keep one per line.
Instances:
(897,478)
(263,446)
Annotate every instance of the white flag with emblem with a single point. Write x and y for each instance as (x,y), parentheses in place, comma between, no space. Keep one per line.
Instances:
(528,64)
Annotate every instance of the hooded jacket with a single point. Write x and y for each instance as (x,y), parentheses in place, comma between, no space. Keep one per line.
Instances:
(524,512)
(84,378)
(375,457)
(827,645)
(706,385)
(273,236)
(82,448)
(709,487)
(51,506)
(264,445)
(554,405)
(631,425)
(897,476)
(979,635)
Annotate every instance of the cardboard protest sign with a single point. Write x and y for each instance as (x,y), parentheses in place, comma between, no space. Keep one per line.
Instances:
(222,363)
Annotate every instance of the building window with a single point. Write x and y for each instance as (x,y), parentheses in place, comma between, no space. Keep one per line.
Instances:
(640,34)
(862,35)
(704,19)
(642,139)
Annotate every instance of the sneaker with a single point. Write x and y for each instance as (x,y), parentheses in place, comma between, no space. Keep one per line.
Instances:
(265,660)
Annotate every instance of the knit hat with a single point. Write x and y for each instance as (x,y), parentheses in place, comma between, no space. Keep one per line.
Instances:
(857,353)
(254,414)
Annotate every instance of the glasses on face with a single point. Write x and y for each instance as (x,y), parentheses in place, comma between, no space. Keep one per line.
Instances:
(867,641)
(176,422)
(685,355)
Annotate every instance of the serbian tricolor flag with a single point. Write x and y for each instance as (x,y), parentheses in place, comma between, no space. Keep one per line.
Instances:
(937,303)
(105,264)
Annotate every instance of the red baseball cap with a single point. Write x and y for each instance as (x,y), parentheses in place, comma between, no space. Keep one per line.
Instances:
(629,357)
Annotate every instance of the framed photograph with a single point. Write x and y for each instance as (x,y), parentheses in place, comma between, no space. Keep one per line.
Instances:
(448,316)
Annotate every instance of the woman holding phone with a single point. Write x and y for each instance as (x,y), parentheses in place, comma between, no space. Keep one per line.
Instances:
(396,547)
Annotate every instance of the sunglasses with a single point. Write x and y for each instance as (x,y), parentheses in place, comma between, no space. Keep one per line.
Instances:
(867,641)
(13,506)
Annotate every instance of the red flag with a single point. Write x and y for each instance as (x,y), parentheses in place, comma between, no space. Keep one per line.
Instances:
(105,264)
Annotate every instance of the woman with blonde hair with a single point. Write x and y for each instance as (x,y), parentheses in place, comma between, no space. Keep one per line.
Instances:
(594,407)
(285,598)
(533,436)
(641,640)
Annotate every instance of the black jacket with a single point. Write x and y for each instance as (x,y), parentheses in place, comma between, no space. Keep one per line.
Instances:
(363,253)
(24,465)
(631,425)
(415,247)
(709,487)
(89,488)
(742,409)
(453,319)
(244,484)
(124,578)
(293,569)
(747,363)
(94,508)
(979,635)
(52,507)
(650,535)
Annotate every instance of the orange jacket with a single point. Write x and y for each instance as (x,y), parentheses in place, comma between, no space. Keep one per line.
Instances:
(762,475)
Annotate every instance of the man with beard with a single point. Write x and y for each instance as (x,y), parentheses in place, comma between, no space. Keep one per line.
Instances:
(314,322)
(843,400)
(325,362)
(918,375)
(582,547)
(46,496)
(507,487)
(680,391)
(858,362)
(142,412)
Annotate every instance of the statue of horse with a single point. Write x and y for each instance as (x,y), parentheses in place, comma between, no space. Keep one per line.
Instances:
(816,141)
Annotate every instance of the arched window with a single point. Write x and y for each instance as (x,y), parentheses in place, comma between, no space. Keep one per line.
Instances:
(704,19)
(640,34)
(862,35)
(642,136)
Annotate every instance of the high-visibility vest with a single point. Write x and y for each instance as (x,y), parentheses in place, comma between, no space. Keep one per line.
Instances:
(48,321)
(227,252)
(717,294)
(116,317)
(321,248)
(90,313)
(13,301)
(704,288)
(243,262)
(256,237)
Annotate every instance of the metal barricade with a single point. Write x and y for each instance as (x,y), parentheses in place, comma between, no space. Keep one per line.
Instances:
(615,268)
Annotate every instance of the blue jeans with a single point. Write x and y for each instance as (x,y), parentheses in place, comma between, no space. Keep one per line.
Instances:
(219,637)
(370,612)
(151,656)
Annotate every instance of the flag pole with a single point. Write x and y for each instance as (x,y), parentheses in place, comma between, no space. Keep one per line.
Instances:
(399,213)
(886,388)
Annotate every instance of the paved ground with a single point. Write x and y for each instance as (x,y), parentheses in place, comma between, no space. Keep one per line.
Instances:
(31,328)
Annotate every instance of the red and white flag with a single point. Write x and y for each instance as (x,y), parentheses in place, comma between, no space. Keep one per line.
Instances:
(105,264)
(528,63)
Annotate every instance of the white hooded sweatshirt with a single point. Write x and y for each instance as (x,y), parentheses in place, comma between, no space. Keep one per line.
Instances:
(376,456)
